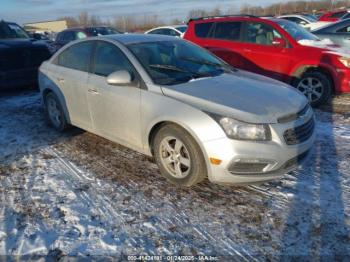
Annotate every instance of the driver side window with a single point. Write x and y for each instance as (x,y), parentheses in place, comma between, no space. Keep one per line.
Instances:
(109,58)
(261,34)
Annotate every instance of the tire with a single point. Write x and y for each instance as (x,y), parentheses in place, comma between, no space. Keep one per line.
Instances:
(54,112)
(316,86)
(185,165)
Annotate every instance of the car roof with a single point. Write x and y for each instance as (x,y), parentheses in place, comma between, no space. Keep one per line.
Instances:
(127,39)
(84,28)
(167,26)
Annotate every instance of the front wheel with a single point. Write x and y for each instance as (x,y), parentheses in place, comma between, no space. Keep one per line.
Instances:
(316,87)
(178,156)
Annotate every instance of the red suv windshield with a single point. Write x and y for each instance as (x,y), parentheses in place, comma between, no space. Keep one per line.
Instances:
(297,32)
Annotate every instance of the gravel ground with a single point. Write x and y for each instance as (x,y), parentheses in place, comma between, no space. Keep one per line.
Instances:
(79,194)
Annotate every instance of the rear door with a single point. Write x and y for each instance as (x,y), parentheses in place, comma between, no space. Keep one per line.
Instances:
(261,55)
(223,39)
(73,75)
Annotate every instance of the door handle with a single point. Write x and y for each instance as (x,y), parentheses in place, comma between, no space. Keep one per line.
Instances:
(93,91)
(60,80)
(247,50)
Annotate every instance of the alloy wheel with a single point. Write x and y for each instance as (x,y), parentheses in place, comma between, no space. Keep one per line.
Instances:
(312,88)
(175,157)
(54,112)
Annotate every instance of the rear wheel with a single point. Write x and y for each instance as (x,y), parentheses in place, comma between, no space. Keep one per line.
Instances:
(316,86)
(178,156)
(54,112)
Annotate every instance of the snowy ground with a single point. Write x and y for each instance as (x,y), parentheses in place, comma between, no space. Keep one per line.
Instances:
(78,194)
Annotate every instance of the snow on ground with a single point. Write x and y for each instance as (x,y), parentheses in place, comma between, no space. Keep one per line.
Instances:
(79,194)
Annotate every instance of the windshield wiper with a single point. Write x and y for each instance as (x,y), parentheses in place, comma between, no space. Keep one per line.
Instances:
(192,74)
(169,67)
(200,61)
(206,62)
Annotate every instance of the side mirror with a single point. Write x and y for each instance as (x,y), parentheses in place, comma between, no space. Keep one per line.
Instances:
(279,42)
(121,77)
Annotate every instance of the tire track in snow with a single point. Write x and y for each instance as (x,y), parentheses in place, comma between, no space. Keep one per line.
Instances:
(180,220)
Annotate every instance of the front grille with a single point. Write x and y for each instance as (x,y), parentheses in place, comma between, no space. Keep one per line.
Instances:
(299,134)
(292,117)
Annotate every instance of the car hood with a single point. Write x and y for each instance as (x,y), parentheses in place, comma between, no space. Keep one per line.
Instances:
(241,95)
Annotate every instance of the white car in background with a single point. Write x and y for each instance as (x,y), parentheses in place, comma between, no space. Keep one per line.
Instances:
(307,21)
(171,30)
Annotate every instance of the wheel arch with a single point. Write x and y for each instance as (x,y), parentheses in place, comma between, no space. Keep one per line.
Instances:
(301,70)
(159,124)
(60,96)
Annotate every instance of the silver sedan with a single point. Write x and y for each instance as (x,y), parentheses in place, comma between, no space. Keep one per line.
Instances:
(170,99)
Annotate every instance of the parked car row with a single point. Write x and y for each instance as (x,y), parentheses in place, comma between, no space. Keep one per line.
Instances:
(307,21)
(174,30)
(73,34)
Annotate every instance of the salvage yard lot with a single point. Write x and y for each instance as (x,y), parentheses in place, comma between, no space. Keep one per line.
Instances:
(76,193)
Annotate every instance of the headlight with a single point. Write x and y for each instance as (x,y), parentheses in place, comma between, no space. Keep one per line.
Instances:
(244,131)
(345,61)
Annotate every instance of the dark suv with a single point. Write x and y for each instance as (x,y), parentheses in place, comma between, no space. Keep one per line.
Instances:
(20,56)
(278,49)
(72,34)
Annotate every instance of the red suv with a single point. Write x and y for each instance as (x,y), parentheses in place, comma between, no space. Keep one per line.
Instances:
(335,16)
(276,48)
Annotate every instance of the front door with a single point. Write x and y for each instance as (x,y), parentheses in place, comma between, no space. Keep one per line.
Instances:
(115,109)
(261,55)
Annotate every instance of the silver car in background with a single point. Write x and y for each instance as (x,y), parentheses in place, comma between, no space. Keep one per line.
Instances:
(170,99)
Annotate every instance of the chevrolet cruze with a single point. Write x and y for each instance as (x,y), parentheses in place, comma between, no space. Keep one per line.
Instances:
(170,99)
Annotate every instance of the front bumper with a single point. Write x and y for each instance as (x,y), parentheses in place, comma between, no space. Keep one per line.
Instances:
(342,81)
(276,157)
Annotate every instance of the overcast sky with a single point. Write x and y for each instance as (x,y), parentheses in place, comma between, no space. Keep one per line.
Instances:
(23,11)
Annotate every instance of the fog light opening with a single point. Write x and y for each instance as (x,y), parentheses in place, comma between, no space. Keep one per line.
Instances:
(249,166)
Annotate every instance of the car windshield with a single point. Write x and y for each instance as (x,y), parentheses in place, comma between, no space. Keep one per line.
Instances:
(182,29)
(11,30)
(296,31)
(175,62)
(96,31)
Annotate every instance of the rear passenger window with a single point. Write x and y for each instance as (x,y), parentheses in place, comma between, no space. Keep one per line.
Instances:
(228,31)
(203,29)
(76,57)
(109,59)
